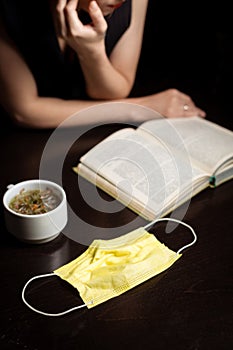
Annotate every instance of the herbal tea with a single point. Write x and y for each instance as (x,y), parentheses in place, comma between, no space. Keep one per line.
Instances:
(34,202)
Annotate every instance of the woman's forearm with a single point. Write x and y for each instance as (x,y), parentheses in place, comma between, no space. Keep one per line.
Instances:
(103,81)
(53,112)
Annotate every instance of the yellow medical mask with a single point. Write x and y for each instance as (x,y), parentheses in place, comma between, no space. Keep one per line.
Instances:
(109,268)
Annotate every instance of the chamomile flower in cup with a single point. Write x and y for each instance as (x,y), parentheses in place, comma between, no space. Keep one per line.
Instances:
(35,210)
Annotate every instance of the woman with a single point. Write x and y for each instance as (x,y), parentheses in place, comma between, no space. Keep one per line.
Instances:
(62,56)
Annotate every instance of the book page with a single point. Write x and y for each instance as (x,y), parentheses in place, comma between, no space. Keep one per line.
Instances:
(143,168)
(209,144)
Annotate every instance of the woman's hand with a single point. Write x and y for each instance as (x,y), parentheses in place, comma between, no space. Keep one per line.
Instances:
(172,103)
(70,28)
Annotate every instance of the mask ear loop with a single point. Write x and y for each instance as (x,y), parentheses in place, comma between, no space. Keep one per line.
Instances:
(45,313)
(179,222)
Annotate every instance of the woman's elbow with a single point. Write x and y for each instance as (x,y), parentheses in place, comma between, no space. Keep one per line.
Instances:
(109,96)
(23,119)
(19,119)
(112,93)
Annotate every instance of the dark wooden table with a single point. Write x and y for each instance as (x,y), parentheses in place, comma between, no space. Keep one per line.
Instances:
(188,307)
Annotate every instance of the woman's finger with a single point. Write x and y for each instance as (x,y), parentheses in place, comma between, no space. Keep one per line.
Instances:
(73,23)
(59,17)
(191,110)
(97,17)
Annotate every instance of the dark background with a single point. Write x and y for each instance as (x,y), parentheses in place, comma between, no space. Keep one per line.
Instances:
(189,46)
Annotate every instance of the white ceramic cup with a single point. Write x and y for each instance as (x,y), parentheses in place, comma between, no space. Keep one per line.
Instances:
(38,228)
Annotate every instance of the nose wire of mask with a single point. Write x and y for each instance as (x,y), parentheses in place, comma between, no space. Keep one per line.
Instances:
(152,223)
(90,303)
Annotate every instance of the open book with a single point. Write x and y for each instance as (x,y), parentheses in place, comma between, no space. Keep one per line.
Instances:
(163,163)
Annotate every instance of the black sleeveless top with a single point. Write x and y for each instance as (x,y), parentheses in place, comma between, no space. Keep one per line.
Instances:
(29,23)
